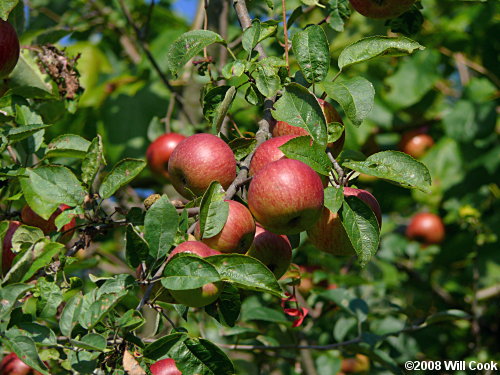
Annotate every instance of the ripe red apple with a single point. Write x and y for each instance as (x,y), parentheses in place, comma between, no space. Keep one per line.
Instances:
(204,295)
(165,367)
(268,152)
(237,234)
(29,217)
(382,8)
(159,151)
(197,161)
(416,143)
(7,254)
(273,250)
(329,234)
(427,228)
(286,196)
(12,365)
(282,128)
(9,48)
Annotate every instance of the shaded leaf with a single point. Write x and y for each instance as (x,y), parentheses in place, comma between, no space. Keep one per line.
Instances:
(188,271)
(121,174)
(213,211)
(160,227)
(310,153)
(312,51)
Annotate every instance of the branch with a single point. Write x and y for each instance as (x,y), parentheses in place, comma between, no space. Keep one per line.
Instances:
(149,289)
(241,9)
(337,167)
(285,32)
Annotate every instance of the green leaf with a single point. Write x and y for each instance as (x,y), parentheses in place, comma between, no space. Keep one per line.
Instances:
(213,211)
(92,341)
(312,51)
(189,45)
(25,349)
(160,347)
(394,166)
(68,145)
(253,95)
(216,104)
(342,327)
(257,32)
(121,174)
(201,357)
(50,298)
(9,295)
(227,307)
(131,320)
(447,315)
(100,308)
(48,187)
(298,107)
(242,147)
(334,198)
(38,333)
(6,7)
(27,80)
(234,69)
(136,249)
(264,314)
(339,12)
(375,46)
(355,95)
(160,227)
(362,228)
(310,153)
(70,315)
(246,273)
(188,272)
(43,258)
(22,132)
(92,161)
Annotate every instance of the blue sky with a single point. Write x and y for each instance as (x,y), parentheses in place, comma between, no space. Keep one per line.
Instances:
(186,7)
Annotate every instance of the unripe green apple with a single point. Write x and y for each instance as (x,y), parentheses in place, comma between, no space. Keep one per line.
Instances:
(197,161)
(416,143)
(29,217)
(237,234)
(12,365)
(273,250)
(9,48)
(159,151)
(7,254)
(165,366)
(426,228)
(382,8)
(286,196)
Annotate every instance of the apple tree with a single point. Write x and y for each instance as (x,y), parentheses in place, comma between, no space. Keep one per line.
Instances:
(253,187)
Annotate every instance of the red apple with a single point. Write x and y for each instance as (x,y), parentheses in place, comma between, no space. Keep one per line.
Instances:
(29,217)
(9,48)
(165,367)
(427,228)
(237,234)
(286,196)
(159,151)
(273,250)
(281,128)
(329,234)
(7,254)
(382,8)
(197,161)
(12,365)
(268,152)
(204,295)
(416,143)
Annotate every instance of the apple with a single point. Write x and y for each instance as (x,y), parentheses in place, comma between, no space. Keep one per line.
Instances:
(359,363)
(416,143)
(427,228)
(281,128)
(382,8)
(29,217)
(9,48)
(268,152)
(7,254)
(286,196)
(197,161)
(273,250)
(164,367)
(237,234)
(204,295)
(12,365)
(329,234)
(159,151)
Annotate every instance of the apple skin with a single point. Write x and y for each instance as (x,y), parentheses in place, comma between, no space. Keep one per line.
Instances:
(12,365)
(237,234)
(159,151)
(268,152)
(197,161)
(164,367)
(426,228)
(273,250)
(29,217)
(9,48)
(7,254)
(281,128)
(382,9)
(204,295)
(286,197)
(329,234)
(416,143)
(359,363)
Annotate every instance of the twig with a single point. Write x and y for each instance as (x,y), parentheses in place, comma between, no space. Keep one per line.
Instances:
(12,154)
(241,9)
(337,167)
(149,289)
(192,228)
(285,32)
(193,211)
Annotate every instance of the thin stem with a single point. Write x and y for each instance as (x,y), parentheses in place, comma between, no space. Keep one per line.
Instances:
(149,289)
(285,32)
(337,167)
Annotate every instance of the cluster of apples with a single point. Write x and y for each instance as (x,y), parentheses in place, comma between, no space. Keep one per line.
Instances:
(9,48)
(30,218)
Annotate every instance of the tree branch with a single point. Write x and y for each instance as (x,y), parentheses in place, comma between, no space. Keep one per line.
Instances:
(241,9)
